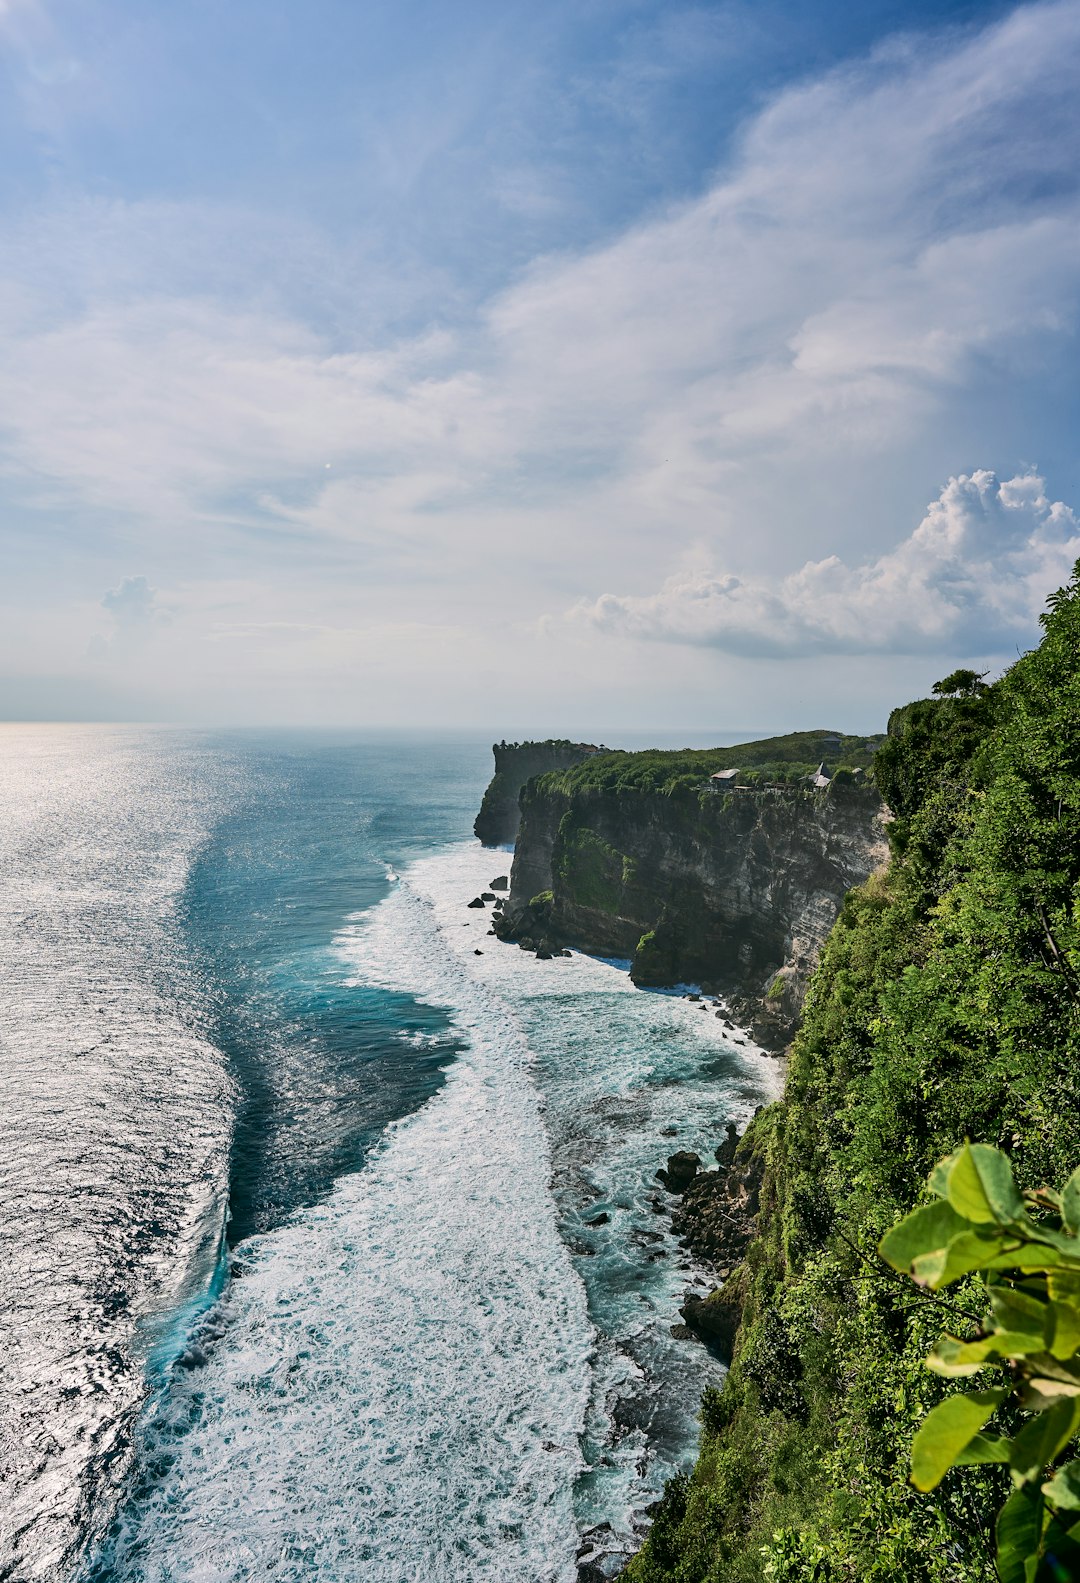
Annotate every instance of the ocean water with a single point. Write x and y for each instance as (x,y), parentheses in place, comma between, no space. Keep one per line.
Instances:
(330,1242)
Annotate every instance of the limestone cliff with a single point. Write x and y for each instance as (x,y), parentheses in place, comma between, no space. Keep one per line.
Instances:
(515,763)
(736,890)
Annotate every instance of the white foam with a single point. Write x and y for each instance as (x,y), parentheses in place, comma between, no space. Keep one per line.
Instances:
(402,1376)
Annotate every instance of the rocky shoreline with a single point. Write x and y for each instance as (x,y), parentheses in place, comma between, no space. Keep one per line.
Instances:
(711,1211)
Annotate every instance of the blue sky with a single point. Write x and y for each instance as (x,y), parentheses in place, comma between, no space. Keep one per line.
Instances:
(574,367)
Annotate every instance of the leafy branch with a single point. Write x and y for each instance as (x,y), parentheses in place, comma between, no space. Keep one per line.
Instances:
(981,1224)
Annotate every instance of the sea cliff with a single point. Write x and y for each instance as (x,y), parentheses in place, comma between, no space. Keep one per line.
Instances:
(515,763)
(733,885)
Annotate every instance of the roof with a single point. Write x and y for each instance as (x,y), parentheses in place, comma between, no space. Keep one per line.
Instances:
(724,775)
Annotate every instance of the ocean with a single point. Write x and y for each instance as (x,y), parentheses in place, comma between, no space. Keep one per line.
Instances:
(327,1242)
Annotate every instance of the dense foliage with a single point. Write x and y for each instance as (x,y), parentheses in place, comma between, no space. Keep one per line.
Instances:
(786,758)
(946,1006)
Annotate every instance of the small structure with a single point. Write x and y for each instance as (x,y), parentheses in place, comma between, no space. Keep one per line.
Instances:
(723,780)
(820,778)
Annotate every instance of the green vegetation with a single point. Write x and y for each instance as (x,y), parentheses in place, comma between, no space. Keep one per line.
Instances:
(946,1006)
(592,873)
(1027,1249)
(777,759)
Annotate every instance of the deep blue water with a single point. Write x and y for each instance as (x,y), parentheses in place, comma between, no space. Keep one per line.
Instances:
(298,1177)
(321,1069)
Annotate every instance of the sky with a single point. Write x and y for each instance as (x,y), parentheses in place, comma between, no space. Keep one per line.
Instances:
(589,367)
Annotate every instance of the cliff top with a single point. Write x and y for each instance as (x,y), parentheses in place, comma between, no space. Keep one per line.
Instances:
(783,758)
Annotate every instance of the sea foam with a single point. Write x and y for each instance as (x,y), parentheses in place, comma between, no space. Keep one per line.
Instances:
(397,1379)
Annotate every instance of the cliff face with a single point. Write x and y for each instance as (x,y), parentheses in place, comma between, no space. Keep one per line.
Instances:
(736,890)
(516,762)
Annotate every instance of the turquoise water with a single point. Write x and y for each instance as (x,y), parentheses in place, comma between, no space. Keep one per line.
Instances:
(366,1327)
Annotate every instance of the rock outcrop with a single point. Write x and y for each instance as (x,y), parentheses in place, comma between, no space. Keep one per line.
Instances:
(736,891)
(515,763)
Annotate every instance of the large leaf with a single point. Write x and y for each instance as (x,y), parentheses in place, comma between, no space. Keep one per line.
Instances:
(974,1249)
(1019,1311)
(1070,1203)
(1019,1534)
(1040,1394)
(983,1448)
(946,1430)
(1064,1488)
(925,1231)
(1065,1335)
(1064,1286)
(954,1358)
(1040,1441)
(979,1185)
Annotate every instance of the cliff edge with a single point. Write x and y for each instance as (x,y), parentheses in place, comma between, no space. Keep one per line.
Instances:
(699,875)
(515,763)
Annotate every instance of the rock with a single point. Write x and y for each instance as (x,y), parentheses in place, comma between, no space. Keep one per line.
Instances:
(488,895)
(714,1318)
(543,951)
(669,1132)
(502,883)
(726,1152)
(476,902)
(718,1211)
(682,1167)
(639,1235)
(658,1206)
(693,997)
(526,944)
(478,951)
(682,1333)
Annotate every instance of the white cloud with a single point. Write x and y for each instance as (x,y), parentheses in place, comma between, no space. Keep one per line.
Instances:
(972,578)
(133,604)
(890,261)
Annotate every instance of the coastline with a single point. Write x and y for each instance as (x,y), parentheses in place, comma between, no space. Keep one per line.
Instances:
(686,1200)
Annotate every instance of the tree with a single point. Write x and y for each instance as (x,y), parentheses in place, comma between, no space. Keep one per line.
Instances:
(960,684)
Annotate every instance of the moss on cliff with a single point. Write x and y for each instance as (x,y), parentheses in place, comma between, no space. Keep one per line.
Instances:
(947,1004)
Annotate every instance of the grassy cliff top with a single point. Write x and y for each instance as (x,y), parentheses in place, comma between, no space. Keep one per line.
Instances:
(772,759)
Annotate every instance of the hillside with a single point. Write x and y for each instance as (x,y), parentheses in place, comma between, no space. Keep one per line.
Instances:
(946,1005)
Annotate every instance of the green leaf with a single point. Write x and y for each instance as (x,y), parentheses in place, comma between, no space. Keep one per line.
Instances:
(925,1231)
(983,1448)
(1063,1490)
(1064,1286)
(1038,1396)
(946,1430)
(1019,1533)
(1065,1334)
(969,1250)
(1070,1203)
(939,1176)
(979,1185)
(1017,1311)
(1039,1442)
(954,1358)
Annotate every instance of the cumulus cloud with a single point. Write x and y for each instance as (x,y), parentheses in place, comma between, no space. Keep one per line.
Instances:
(133,604)
(971,579)
(136,614)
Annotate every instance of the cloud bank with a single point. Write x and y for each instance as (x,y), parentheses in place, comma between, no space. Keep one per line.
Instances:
(882,281)
(972,578)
